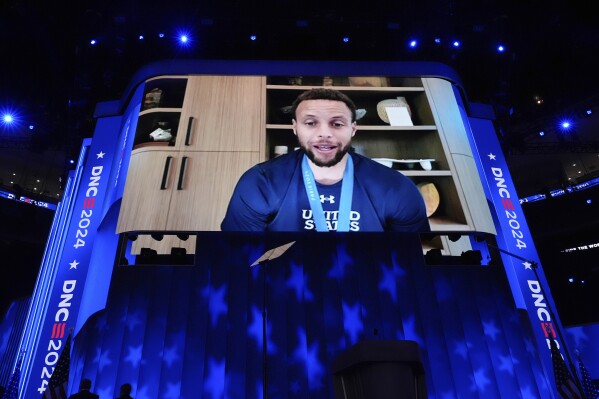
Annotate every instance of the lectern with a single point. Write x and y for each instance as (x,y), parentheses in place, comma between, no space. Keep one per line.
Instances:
(385,369)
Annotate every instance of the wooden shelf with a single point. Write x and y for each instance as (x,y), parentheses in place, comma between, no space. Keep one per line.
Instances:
(158,109)
(151,144)
(347,88)
(278,126)
(438,133)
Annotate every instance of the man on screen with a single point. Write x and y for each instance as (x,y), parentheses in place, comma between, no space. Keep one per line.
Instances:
(324,186)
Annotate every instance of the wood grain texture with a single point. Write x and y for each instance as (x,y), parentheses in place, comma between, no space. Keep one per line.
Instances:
(207,188)
(227,111)
(144,205)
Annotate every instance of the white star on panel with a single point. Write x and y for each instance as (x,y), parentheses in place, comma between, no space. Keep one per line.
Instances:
(74,264)
(100,155)
(492,156)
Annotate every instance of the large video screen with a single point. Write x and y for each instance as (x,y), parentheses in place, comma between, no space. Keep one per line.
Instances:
(227,154)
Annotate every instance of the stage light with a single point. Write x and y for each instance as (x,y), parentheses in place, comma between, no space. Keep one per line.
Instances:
(10,118)
(93,42)
(346,39)
(500,48)
(588,112)
(570,280)
(161,35)
(541,133)
(565,125)
(253,38)
(141,37)
(456,43)
(413,43)
(31,127)
(437,40)
(184,39)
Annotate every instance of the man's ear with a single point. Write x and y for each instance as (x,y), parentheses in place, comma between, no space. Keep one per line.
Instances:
(354,128)
(293,125)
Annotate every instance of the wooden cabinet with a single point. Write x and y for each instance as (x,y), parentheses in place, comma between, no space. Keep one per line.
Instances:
(223,113)
(200,198)
(185,184)
(148,190)
(161,108)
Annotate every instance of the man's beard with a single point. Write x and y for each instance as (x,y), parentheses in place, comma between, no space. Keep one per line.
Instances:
(332,162)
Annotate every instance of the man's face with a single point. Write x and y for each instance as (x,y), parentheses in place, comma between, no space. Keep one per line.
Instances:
(324,130)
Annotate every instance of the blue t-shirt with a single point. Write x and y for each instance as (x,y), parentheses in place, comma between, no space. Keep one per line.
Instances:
(270,196)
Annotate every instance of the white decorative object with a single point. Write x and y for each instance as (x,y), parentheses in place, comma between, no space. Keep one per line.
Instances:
(383,161)
(360,112)
(425,164)
(280,150)
(399,116)
(384,107)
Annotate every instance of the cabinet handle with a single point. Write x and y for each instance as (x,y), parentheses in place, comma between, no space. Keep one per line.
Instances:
(182,173)
(188,135)
(167,166)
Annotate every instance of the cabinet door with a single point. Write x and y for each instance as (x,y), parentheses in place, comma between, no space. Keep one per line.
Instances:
(203,191)
(223,113)
(148,189)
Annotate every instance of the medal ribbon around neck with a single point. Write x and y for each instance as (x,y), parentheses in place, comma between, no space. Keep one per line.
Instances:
(347,188)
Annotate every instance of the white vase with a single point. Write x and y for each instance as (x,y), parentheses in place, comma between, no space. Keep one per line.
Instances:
(381,107)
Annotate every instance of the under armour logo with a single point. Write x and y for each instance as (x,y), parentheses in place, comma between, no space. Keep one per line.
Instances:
(330,198)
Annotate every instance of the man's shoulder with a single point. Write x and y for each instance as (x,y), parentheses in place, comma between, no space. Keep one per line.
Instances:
(281,167)
(282,163)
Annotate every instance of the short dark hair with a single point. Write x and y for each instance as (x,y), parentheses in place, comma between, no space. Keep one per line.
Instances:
(324,94)
(86,383)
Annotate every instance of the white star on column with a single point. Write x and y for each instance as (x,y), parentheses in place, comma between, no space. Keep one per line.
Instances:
(100,155)
(492,156)
(74,264)
(527,265)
